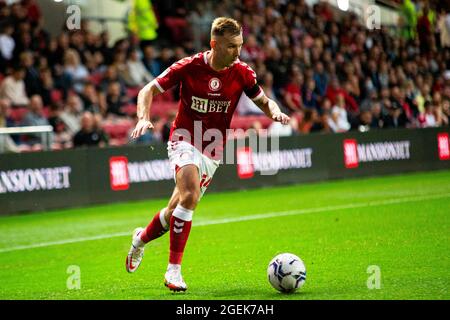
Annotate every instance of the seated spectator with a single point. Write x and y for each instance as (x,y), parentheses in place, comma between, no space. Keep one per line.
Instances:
(338,120)
(45,86)
(321,79)
(5,121)
(112,75)
(335,123)
(368,102)
(352,89)
(325,106)
(411,92)
(251,51)
(120,63)
(398,101)
(137,74)
(5,114)
(292,91)
(103,46)
(179,53)
(311,122)
(32,81)
(268,87)
(428,117)
(75,74)
(334,89)
(364,122)
(396,117)
(165,58)
(114,101)
(377,116)
(422,96)
(7,45)
(35,117)
(310,98)
(92,101)
(71,114)
(13,88)
(441,118)
(62,137)
(89,135)
(150,62)
(446,110)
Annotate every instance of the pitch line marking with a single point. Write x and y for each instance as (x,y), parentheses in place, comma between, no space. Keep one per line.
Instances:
(267,215)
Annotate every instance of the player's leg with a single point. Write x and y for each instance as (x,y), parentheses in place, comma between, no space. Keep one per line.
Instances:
(156,228)
(160,223)
(188,184)
(173,202)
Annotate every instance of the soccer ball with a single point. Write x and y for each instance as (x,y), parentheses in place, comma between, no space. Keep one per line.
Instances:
(286,272)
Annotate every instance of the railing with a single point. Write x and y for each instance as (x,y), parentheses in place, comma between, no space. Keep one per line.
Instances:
(46,133)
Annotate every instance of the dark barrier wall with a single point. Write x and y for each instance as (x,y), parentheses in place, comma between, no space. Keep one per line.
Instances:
(45,180)
(48,180)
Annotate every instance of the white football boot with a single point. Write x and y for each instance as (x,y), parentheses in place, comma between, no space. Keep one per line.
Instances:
(173,279)
(136,253)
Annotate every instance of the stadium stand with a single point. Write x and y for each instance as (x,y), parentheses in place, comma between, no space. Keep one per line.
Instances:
(323,67)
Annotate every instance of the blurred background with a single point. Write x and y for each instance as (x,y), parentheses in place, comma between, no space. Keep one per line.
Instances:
(366,83)
(320,60)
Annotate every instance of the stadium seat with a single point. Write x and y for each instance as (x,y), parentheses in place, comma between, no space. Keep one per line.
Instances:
(118,141)
(46,111)
(246,122)
(18,114)
(163,108)
(56,95)
(118,130)
(96,78)
(132,92)
(129,109)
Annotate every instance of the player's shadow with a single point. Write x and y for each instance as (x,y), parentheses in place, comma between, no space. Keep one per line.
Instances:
(249,294)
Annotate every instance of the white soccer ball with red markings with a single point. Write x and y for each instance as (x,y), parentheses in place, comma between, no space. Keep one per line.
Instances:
(286,272)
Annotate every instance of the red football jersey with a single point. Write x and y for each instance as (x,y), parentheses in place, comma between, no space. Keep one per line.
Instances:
(208,99)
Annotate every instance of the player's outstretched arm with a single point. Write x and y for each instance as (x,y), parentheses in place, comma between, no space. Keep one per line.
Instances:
(272,110)
(144,102)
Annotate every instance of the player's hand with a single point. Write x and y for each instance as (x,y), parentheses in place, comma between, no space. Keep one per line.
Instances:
(281,117)
(141,128)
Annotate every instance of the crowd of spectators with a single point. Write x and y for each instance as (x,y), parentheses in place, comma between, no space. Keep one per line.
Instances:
(325,69)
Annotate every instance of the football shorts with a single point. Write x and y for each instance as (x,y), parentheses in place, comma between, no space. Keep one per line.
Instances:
(182,153)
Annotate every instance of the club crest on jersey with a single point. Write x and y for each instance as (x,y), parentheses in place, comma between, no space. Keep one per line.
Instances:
(215,84)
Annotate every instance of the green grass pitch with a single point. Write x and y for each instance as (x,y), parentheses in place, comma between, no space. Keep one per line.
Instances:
(401,224)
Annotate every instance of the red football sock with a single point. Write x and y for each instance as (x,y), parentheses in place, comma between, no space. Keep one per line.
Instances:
(180,227)
(156,228)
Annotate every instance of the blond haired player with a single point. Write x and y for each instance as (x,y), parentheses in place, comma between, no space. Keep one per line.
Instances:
(211,84)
